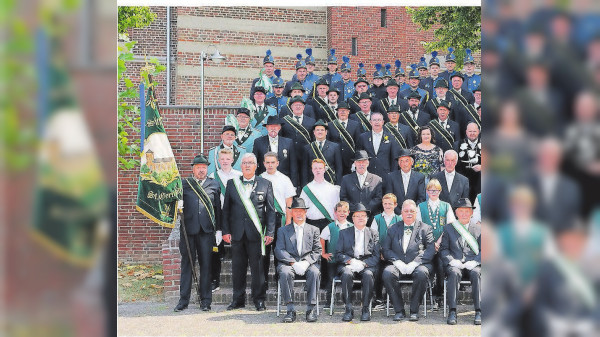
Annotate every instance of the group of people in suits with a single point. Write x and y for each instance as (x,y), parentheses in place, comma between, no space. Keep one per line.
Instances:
(310,150)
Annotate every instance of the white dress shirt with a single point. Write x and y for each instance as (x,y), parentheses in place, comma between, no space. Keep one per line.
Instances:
(344,123)
(393,102)
(359,242)
(299,229)
(377,140)
(450,218)
(282,187)
(327,193)
(225,177)
(274,144)
(247,187)
(406,239)
(449,178)
(405,180)
(362,178)
(296,118)
(326,233)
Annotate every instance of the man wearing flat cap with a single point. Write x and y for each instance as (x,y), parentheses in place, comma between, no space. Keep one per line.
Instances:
(362,186)
(357,255)
(461,255)
(298,251)
(405,183)
(344,132)
(325,150)
(228,137)
(201,222)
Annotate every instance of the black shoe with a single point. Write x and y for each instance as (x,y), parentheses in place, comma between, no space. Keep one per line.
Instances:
(180,306)
(478,317)
(452,317)
(413,317)
(290,316)
(260,306)
(235,305)
(366,315)
(214,287)
(311,315)
(400,315)
(205,307)
(348,315)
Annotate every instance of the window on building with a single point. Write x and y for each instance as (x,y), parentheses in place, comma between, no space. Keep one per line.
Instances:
(354,46)
(384,18)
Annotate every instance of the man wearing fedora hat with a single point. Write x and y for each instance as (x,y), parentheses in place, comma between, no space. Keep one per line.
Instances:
(357,255)
(362,186)
(283,147)
(325,150)
(363,115)
(246,134)
(405,183)
(201,221)
(382,105)
(380,146)
(461,255)
(445,131)
(297,90)
(298,128)
(298,251)
(344,132)
(408,247)
(228,136)
(402,133)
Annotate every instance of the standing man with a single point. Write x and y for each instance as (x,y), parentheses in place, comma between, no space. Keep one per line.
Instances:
(434,74)
(472,80)
(441,94)
(300,77)
(400,76)
(406,183)
(327,151)
(446,131)
(361,186)
(332,75)
(464,112)
(201,221)
(413,80)
(320,101)
(383,105)
(296,127)
(248,225)
(377,91)
(450,64)
(462,257)
(360,86)
(246,134)
(269,69)
(402,133)
(454,185)
(346,85)
(363,116)
(414,117)
(298,250)
(311,77)
(283,147)
(261,110)
(297,90)
(409,248)
(344,132)
(469,159)
(380,147)
(228,136)
(278,100)
(357,254)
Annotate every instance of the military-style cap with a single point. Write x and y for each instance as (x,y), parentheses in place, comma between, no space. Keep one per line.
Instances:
(343,105)
(331,59)
(309,59)
(320,122)
(441,83)
(297,86)
(273,120)
(365,95)
(268,57)
(414,73)
(244,111)
(404,153)
(300,63)
(399,71)
(260,89)
(361,72)
(297,99)
(229,128)
(444,104)
(387,73)
(434,59)
(332,88)
(414,94)
(378,73)
(392,83)
(200,159)
(278,82)
(422,63)
(451,57)
(361,79)
(469,57)
(346,65)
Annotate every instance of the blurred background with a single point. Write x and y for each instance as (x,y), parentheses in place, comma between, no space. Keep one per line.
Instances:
(541,214)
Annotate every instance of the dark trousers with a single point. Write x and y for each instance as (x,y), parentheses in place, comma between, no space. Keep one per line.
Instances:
(440,275)
(367,277)
(331,272)
(379,279)
(320,224)
(268,250)
(201,247)
(420,277)
(215,273)
(455,275)
(244,252)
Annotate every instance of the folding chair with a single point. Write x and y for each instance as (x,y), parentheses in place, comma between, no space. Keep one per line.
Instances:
(466,282)
(279,295)
(338,280)
(429,287)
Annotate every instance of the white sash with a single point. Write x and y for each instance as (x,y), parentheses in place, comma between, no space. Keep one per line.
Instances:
(251,210)
(467,236)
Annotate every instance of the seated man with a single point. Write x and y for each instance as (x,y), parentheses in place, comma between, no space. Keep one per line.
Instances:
(409,248)
(298,252)
(461,257)
(357,254)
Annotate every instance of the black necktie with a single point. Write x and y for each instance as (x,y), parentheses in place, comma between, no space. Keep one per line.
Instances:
(321,146)
(297,118)
(344,124)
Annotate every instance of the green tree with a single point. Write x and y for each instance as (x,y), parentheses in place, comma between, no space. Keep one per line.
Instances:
(134,17)
(458,27)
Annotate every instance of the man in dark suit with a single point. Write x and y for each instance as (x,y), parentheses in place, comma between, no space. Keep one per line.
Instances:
(469,160)
(298,251)
(357,255)
(454,184)
(344,132)
(414,117)
(402,133)
(360,86)
(319,101)
(327,151)
(361,186)
(405,183)
(382,105)
(284,147)
(248,212)
(463,112)
(297,127)
(297,91)
(446,131)
(441,94)
(380,146)
(201,221)
(363,116)
(461,256)
(409,248)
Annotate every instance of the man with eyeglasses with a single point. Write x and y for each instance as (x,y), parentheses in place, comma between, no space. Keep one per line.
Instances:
(360,86)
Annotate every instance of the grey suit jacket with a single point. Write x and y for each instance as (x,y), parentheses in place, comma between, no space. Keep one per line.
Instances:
(420,247)
(345,247)
(369,195)
(286,249)
(452,247)
(415,190)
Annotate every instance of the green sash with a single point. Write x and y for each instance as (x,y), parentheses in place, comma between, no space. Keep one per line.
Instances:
(410,122)
(218,178)
(280,211)
(299,127)
(344,134)
(470,109)
(317,203)
(469,239)
(576,281)
(442,211)
(383,102)
(251,210)
(399,138)
(445,134)
(201,193)
(319,154)
(364,121)
(479,199)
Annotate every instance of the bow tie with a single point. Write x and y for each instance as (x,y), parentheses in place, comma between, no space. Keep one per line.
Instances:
(248,182)
(408,228)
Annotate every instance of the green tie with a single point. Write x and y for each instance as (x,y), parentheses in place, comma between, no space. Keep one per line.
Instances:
(321,146)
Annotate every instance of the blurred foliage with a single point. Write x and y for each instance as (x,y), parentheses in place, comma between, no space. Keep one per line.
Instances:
(134,17)
(458,27)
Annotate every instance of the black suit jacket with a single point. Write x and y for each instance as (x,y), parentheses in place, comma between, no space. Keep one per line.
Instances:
(369,195)
(332,154)
(286,250)
(235,217)
(407,133)
(421,248)
(415,190)
(354,129)
(459,188)
(422,117)
(383,105)
(454,129)
(565,204)
(452,247)
(288,131)
(345,247)
(195,216)
(308,111)
(432,110)
(385,160)
(285,154)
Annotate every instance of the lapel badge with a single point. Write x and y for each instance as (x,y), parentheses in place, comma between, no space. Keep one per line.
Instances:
(284,153)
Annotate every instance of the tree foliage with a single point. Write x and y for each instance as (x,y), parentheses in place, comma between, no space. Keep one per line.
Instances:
(134,17)
(458,27)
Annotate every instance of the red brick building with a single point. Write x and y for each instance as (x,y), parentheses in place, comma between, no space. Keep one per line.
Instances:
(243,34)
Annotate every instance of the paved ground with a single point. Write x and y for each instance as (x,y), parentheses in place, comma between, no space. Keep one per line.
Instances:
(158,319)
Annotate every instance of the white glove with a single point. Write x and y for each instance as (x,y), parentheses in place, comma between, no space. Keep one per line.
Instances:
(411,267)
(301,267)
(470,264)
(180,206)
(456,263)
(219,237)
(356,265)
(401,266)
